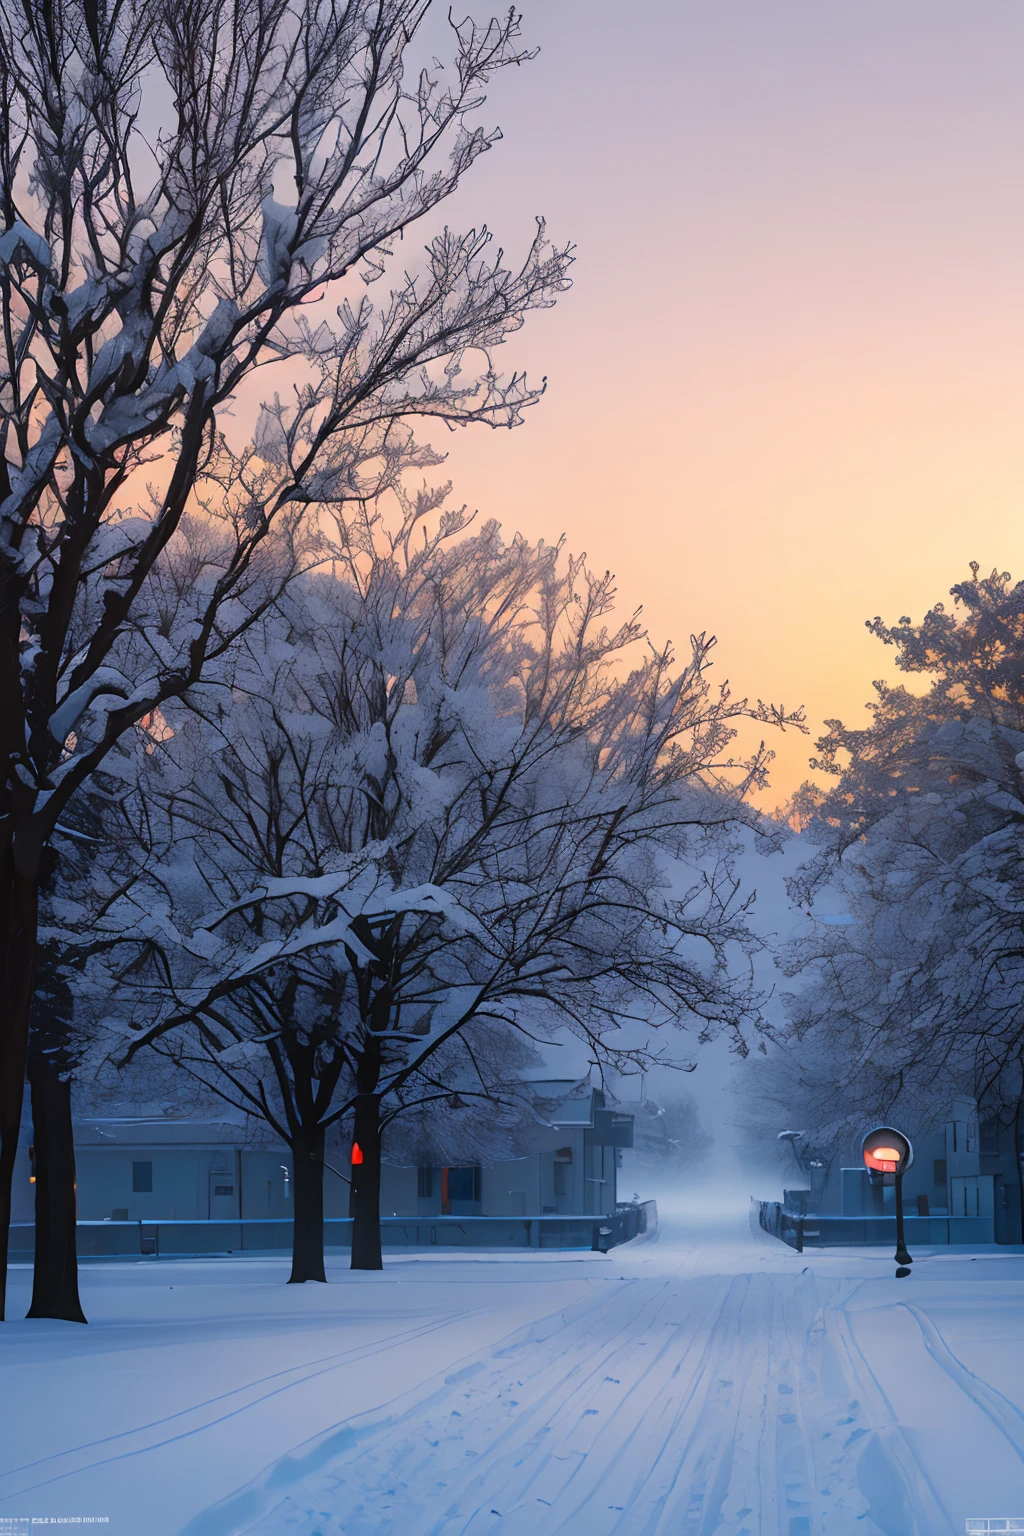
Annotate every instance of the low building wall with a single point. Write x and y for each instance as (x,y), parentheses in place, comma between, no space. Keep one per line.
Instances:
(191,1239)
(799,1231)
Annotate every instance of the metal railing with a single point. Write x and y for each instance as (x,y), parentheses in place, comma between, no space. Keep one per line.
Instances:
(798,1230)
(774,1219)
(193,1239)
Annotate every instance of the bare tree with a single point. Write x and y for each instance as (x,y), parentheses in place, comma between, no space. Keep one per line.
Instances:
(147,271)
(434,818)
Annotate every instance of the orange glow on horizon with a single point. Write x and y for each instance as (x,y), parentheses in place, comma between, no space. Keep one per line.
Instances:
(786,388)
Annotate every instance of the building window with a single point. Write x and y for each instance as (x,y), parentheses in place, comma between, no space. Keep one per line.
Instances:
(939,1173)
(464,1184)
(142,1178)
(425,1183)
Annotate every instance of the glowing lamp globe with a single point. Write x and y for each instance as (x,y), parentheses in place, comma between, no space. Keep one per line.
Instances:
(886,1150)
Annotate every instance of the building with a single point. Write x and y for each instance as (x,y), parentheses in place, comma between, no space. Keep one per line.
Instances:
(964,1186)
(164,1169)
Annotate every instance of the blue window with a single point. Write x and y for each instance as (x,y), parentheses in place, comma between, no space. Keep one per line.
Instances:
(425,1183)
(142,1178)
(464,1183)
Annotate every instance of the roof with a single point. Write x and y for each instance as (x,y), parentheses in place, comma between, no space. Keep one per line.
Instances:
(574,1106)
(154,1130)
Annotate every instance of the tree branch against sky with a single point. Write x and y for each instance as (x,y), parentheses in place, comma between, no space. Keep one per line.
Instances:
(146,275)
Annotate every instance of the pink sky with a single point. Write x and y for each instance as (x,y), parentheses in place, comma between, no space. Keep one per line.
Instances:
(786,391)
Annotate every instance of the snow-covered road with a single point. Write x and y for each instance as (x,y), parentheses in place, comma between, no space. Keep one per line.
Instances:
(698,1385)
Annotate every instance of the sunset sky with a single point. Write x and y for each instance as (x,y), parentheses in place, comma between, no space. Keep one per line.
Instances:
(786,390)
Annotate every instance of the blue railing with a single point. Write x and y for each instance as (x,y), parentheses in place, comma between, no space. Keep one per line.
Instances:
(192,1239)
(798,1231)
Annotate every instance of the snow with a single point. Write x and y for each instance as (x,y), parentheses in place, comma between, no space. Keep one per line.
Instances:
(365,899)
(21,237)
(705,1382)
(280,228)
(105,681)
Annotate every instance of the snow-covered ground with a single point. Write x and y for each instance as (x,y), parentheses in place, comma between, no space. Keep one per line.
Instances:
(701,1384)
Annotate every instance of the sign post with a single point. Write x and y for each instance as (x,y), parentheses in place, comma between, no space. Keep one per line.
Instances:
(887,1155)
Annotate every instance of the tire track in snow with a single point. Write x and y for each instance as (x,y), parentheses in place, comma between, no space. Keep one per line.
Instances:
(1006,1416)
(610,1429)
(696,1466)
(598,1436)
(375,1440)
(528,1447)
(887,1471)
(622,1473)
(704,1434)
(195,1419)
(743,1465)
(669,1405)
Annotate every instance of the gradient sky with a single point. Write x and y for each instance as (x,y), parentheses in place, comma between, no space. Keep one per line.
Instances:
(786,390)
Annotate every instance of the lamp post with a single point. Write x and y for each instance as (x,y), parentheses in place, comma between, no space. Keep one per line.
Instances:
(888,1154)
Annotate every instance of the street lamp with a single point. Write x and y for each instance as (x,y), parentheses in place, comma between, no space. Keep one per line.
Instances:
(888,1154)
(791,1138)
(812,1163)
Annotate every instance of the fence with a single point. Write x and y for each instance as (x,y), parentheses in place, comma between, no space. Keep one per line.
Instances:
(193,1239)
(799,1231)
(773,1218)
(629,1221)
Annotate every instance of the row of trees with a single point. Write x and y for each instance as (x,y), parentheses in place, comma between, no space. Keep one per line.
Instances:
(917,998)
(325,809)
(419,825)
(147,270)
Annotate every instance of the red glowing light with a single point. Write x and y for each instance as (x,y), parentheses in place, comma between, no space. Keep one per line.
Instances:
(357,1154)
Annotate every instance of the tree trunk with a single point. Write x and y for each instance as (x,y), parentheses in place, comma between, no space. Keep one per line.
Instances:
(308,1216)
(19,921)
(1018,1149)
(55,1278)
(365,1197)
